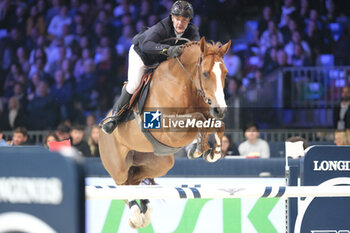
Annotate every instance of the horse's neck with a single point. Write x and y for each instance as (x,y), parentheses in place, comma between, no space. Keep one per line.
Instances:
(174,84)
(190,57)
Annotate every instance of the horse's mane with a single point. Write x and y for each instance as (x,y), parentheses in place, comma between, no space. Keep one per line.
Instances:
(212,48)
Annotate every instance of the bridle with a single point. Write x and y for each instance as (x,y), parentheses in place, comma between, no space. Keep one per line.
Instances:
(199,90)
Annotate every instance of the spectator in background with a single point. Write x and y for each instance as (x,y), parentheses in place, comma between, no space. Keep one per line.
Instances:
(85,88)
(233,100)
(22,59)
(296,39)
(58,55)
(228,148)
(79,65)
(288,29)
(39,69)
(254,147)
(341,112)
(342,137)
(58,21)
(14,117)
(233,65)
(270,60)
(11,79)
(32,85)
(42,109)
(50,137)
(314,17)
(93,141)
(20,95)
(90,122)
(282,58)
(303,12)
(299,58)
(78,142)
(295,149)
(314,39)
(2,140)
(67,70)
(52,11)
(298,139)
(265,39)
(8,47)
(124,41)
(35,20)
(287,9)
(263,22)
(342,48)
(63,131)
(20,137)
(62,91)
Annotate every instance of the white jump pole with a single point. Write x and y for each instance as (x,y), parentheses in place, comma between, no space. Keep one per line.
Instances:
(252,191)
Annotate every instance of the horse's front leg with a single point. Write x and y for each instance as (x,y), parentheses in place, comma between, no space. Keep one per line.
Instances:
(215,153)
(199,147)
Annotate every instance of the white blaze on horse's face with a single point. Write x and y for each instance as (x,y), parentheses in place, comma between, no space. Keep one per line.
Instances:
(219,92)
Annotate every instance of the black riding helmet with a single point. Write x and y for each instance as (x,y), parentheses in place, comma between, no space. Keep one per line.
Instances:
(182,8)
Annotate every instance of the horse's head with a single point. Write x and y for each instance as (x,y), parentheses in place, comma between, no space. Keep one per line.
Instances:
(212,73)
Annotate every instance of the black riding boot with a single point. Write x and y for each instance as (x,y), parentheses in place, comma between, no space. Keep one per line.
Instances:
(113,122)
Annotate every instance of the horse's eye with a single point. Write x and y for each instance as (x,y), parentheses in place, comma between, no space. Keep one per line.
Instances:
(205,74)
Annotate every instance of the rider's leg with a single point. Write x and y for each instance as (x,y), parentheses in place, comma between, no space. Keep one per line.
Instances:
(135,71)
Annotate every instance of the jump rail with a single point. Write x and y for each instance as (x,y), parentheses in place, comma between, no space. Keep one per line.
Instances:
(188,192)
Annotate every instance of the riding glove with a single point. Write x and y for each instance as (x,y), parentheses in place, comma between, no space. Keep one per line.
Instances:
(174,51)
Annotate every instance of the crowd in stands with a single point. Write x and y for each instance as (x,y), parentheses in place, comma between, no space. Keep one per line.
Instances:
(65,61)
(297,33)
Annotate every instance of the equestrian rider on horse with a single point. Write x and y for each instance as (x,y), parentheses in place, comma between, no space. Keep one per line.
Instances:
(148,49)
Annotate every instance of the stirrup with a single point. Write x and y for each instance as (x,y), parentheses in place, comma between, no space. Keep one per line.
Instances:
(109,123)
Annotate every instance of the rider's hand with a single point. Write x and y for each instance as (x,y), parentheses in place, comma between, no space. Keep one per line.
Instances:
(174,51)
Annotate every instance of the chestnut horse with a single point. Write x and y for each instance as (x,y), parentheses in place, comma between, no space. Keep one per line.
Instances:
(194,80)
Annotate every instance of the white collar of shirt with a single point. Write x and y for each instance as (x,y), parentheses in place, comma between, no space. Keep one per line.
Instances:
(178,35)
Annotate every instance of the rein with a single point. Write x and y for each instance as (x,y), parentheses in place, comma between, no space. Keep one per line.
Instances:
(199,91)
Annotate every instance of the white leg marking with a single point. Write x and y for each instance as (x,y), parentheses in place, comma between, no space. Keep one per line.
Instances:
(135,219)
(217,150)
(146,217)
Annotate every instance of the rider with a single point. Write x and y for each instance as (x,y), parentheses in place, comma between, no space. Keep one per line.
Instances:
(148,49)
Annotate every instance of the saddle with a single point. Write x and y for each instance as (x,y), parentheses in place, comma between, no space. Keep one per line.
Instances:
(139,97)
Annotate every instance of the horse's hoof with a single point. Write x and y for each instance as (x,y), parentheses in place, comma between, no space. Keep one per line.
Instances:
(146,215)
(109,126)
(135,220)
(211,156)
(193,152)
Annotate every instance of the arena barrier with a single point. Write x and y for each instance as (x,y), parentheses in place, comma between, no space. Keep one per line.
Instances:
(46,191)
(249,191)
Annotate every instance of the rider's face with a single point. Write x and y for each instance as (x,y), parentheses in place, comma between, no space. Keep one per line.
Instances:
(180,23)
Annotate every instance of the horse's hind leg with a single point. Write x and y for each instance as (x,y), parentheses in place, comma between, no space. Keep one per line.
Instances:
(114,157)
(140,215)
(148,165)
(136,218)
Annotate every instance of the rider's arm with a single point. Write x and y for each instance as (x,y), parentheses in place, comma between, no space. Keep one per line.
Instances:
(151,42)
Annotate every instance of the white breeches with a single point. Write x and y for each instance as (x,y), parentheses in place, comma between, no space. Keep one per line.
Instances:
(135,71)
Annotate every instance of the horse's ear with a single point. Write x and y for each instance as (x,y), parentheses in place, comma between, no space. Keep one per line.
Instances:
(225,48)
(203,45)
